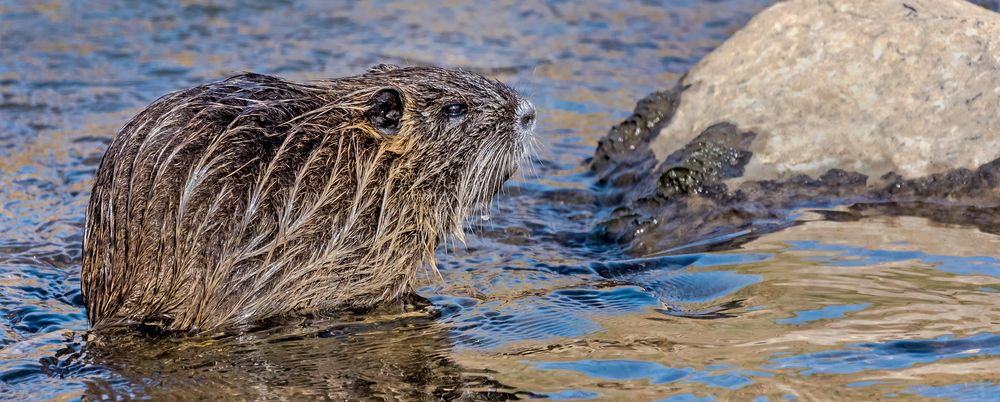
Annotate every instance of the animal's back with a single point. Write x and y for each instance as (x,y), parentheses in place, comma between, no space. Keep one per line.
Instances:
(188,206)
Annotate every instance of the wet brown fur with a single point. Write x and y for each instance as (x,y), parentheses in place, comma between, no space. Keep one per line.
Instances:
(257,197)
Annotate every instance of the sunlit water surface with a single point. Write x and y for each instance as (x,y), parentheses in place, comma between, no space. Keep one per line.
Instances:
(529,307)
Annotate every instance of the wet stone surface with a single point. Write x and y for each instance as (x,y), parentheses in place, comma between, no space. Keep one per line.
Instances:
(691,195)
(813,134)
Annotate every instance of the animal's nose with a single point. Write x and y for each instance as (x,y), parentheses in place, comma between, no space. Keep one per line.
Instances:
(526,115)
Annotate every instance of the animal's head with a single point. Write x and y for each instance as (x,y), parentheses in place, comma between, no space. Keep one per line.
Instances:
(458,134)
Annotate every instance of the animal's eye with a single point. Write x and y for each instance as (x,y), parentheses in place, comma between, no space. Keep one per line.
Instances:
(455,110)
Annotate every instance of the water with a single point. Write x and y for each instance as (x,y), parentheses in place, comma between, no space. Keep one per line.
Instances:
(530,307)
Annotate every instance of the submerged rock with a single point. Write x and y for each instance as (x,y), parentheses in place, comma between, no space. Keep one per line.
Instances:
(813,103)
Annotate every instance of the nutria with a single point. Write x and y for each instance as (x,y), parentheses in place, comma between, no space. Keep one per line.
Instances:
(257,197)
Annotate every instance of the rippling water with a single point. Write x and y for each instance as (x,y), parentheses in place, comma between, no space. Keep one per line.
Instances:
(530,307)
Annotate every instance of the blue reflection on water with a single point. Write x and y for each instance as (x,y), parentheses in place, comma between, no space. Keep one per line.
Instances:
(861,384)
(697,287)
(620,370)
(714,260)
(667,278)
(570,312)
(891,355)
(687,398)
(567,395)
(850,256)
(577,107)
(560,313)
(802,317)
(977,391)
(656,373)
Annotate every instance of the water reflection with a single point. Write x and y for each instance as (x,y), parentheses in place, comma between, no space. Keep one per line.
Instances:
(870,329)
(829,312)
(654,372)
(398,357)
(847,256)
(891,355)
(970,392)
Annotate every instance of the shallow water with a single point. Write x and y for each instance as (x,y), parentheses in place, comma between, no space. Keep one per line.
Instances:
(531,306)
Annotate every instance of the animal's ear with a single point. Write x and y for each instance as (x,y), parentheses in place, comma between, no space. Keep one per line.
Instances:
(381,68)
(386,111)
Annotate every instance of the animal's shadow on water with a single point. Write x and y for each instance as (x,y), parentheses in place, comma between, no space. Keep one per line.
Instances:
(351,357)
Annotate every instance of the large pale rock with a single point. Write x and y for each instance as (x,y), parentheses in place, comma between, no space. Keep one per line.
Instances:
(866,86)
(890,106)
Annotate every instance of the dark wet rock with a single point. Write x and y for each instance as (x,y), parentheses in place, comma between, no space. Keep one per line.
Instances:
(720,152)
(774,121)
(985,218)
(624,152)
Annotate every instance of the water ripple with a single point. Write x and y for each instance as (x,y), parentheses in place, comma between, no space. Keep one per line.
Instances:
(891,355)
